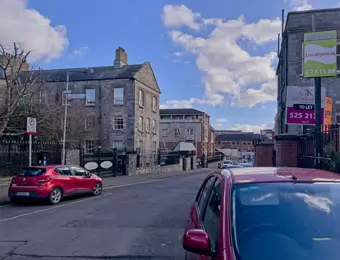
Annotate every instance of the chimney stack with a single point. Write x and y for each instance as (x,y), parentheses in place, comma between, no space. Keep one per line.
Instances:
(121,58)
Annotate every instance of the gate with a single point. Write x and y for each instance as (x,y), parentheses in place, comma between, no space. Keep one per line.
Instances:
(307,149)
(105,161)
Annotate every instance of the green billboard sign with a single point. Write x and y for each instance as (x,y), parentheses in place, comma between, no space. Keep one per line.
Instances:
(320,54)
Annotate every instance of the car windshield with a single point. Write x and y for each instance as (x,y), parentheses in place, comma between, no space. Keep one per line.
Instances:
(32,172)
(286,221)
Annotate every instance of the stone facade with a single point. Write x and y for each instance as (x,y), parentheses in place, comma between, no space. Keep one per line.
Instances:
(73,157)
(186,125)
(290,67)
(104,108)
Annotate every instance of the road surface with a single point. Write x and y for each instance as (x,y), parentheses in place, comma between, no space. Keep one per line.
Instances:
(141,221)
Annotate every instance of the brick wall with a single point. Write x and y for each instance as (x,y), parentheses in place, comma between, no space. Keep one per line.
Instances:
(264,154)
(287,150)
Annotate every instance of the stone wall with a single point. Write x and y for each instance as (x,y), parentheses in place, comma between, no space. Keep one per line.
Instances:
(73,157)
(159,169)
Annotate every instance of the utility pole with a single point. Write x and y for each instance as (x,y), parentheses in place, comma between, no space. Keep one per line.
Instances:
(317,108)
(63,154)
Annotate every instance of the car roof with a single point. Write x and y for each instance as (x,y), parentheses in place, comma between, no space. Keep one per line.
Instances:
(279,174)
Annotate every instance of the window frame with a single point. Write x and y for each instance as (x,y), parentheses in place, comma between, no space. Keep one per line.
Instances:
(154,103)
(140,124)
(90,102)
(118,141)
(141,98)
(86,146)
(147,125)
(93,120)
(153,126)
(118,121)
(115,98)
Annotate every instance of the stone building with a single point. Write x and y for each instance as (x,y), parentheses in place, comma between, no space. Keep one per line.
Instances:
(186,125)
(110,107)
(290,66)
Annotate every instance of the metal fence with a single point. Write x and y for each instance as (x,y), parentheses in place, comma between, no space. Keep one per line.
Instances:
(105,161)
(14,154)
(307,149)
(149,158)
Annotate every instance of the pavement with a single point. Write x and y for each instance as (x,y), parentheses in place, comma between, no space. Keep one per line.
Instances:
(142,218)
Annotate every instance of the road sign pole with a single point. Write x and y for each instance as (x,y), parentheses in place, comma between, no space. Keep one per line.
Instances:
(318,120)
(30,150)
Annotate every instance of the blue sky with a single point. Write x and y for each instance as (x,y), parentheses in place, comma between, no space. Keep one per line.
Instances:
(189,47)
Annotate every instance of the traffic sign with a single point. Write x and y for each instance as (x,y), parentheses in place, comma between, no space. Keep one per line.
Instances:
(31,126)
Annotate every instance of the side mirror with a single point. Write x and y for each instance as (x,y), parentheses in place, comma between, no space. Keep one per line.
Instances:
(88,175)
(197,241)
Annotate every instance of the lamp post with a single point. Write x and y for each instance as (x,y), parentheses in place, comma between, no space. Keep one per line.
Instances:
(63,154)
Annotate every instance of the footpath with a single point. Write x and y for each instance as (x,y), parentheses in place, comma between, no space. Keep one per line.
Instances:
(113,181)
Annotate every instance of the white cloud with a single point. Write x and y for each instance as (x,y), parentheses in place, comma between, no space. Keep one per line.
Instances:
(221,120)
(252,128)
(82,51)
(182,103)
(227,69)
(220,123)
(31,30)
(299,5)
(176,16)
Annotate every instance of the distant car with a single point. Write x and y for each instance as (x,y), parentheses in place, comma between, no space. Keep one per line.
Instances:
(246,164)
(265,213)
(52,183)
(225,164)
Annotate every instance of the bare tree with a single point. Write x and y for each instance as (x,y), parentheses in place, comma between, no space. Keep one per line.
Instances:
(20,91)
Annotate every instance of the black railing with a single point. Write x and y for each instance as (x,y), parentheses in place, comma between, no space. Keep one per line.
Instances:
(307,153)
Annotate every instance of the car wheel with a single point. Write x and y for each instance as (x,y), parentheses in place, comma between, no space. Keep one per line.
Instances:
(55,196)
(98,188)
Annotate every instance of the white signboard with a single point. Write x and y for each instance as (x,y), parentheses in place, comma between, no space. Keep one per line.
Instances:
(300,101)
(31,126)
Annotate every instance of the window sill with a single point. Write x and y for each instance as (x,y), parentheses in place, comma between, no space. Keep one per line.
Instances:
(155,111)
(89,105)
(118,104)
(141,106)
(114,129)
(141,131)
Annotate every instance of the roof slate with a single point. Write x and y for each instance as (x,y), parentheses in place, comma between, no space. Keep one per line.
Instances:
(180,111)
(87,74)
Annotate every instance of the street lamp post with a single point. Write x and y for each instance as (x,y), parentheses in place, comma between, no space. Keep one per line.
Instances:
(63,154)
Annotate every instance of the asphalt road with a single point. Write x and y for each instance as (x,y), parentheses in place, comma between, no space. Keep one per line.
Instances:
(142,221)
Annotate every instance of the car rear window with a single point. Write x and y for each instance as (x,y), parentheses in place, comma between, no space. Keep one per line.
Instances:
(32,172)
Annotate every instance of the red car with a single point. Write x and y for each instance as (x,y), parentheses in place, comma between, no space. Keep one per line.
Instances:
(53,182)
(265,214)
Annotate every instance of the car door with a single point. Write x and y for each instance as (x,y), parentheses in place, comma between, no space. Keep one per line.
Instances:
(197,210)
(212,218)
(86,184)
(68,180)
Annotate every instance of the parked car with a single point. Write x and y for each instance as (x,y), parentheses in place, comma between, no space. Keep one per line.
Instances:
(226,164)
(265,213)
(52,183)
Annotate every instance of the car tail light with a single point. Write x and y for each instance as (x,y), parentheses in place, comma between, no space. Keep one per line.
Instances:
(45,180)
(13,180)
